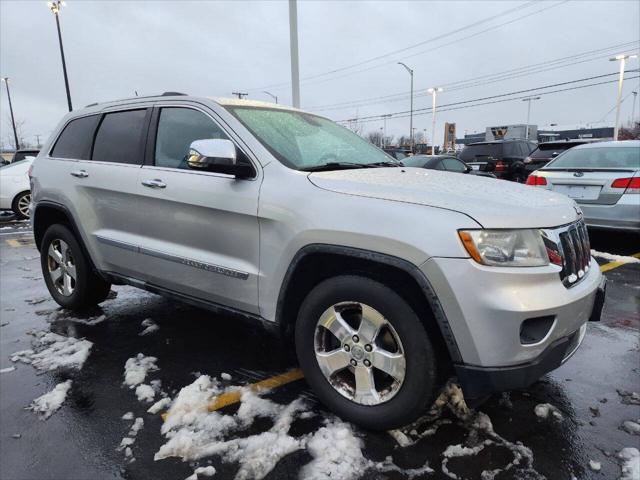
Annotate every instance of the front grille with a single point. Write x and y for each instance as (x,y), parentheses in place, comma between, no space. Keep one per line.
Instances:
(575,251)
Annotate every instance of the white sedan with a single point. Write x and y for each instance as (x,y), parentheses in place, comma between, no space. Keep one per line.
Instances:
(15,193)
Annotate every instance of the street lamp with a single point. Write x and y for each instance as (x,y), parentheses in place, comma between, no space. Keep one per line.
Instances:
(293,46)
(13,122)
(411,114)
(384,120)
(275,97)
(623,60)
(434,92)
(528,100)
(55,9)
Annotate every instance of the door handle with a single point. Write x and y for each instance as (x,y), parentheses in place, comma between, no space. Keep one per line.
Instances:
(80,173)
(156,183)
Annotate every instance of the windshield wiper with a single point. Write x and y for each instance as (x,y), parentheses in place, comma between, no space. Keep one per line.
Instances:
(388,163)
(333,166)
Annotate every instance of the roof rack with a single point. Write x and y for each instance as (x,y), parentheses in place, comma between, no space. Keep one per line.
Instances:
(164,94)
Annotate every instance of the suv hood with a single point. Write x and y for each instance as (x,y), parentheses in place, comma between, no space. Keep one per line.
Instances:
(492,203)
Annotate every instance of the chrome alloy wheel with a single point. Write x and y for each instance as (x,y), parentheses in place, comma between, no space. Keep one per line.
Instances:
(62,269)
(23,205)
(359,353)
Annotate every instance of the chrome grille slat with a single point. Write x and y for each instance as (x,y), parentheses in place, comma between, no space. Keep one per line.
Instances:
(575,250)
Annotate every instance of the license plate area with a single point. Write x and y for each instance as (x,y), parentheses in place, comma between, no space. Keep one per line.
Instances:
(579,192)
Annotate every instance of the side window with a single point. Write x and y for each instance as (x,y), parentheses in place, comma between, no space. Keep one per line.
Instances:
(454,165)
(120,137)
(75,140)
(177,129)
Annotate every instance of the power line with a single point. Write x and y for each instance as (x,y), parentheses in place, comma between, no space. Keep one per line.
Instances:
(491,78)
(424,111)
(309,79)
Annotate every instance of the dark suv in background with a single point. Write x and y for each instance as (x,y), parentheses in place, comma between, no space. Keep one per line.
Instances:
(504,158)
(545,152)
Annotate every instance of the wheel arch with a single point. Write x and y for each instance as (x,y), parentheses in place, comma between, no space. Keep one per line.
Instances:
(317,262)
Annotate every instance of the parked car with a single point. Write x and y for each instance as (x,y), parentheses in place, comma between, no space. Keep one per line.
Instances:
(447,163)
(398,153)
(15,192)
(21,155)
(504,158)
(603,178)
(370,269)
(547,151)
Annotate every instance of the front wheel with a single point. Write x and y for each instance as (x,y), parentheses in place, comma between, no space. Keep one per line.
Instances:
(67,272)
(20,205)
(365,352)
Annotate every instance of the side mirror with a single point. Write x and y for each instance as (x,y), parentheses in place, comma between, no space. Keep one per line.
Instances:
(217,155)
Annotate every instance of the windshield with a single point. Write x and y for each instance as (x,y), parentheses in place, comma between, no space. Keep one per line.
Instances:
(302,141)
(545,150)
(601,157)
(470,152)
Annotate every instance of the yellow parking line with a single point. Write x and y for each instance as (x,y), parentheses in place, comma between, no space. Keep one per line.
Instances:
(233,396)
(611,265)
(13,243)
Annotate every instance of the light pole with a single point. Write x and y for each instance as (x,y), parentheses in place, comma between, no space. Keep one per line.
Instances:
(623,60)
(434,92)
(55,9)
(411,109)
(13,122)
(275,97)
(293,41)
(633,109)
(528,100)
(384,120)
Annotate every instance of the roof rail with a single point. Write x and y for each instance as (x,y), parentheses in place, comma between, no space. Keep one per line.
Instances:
(164,94)
(91,105)
(173,94)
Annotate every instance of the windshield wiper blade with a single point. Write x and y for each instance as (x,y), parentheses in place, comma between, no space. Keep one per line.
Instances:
(333,166)
(387,163)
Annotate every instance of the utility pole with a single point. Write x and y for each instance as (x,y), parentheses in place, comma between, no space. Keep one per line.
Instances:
(411,106)
(13,122)
(37,135)
(633,109)
(239,94)
(384,119)
(434,92)
(623,60)
(275,97)
(55,9)
(293,41)
(528,100)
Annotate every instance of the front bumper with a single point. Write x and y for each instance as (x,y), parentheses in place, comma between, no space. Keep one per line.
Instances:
(486,306)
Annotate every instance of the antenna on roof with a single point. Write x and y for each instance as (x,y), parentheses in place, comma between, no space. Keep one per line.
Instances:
(172,94)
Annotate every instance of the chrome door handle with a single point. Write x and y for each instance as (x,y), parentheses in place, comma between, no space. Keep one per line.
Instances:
(80,173)
(154,183)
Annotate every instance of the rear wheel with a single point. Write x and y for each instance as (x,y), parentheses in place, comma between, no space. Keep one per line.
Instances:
(67,272)
(365,352)
(21,205)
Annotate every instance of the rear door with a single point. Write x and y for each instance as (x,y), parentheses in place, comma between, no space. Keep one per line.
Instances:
(104,190)
(201,228)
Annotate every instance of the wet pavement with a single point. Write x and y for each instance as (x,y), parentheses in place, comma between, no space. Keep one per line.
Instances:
(81,439)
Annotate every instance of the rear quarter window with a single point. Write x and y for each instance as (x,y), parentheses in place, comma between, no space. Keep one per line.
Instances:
(75,140)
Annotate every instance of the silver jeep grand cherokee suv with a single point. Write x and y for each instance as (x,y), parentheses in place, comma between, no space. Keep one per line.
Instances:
(386,278)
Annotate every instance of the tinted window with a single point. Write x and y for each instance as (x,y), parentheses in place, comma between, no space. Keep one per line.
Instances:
(481,152)
(119,137)
(512,149)
(75,139)
(415,161)
(177,129)
(602,157)
(454,165)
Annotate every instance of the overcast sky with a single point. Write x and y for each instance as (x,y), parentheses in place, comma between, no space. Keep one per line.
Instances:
(215,48)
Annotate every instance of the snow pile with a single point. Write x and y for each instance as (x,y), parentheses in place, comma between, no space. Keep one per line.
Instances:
(47,404)
(631,465)
(615,258)
(595,466)
(150,327)
(629,398)
(145,393)
(542,410)
(52,351)
(127,442)
(136,369)
(631,427)
(128,416)
(7,370)
(59,315)
(202,471)
(159,405)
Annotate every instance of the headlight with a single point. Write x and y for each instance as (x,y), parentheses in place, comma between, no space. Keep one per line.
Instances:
(505,248)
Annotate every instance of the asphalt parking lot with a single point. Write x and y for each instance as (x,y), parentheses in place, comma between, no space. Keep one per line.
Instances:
(285,433)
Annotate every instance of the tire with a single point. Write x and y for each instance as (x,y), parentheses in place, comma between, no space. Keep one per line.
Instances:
(20,205)
(87,289)
(400,405)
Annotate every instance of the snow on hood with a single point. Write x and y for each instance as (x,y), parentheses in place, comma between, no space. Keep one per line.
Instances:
(492,203)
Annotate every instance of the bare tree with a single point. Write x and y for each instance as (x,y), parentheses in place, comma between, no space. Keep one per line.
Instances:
(375,137)
(20,129)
